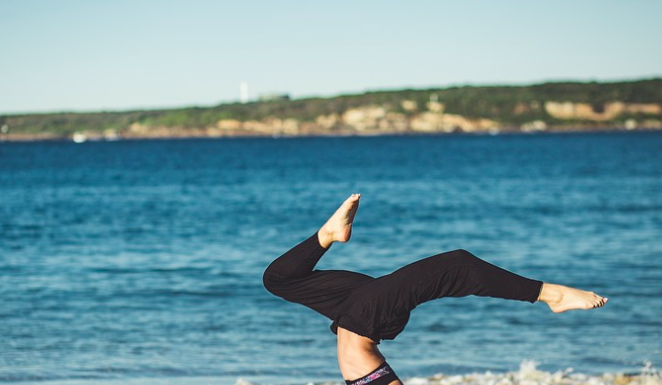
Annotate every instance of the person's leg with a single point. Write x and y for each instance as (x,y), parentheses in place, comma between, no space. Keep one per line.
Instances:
(301,259)
(292,275)
(459,273)
(298,262)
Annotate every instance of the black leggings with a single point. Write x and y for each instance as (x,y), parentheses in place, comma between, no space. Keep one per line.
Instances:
(378,308)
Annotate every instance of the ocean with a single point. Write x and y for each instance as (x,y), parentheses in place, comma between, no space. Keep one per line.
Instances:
(141,261)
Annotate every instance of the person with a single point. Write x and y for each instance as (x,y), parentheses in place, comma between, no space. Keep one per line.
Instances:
(365,310)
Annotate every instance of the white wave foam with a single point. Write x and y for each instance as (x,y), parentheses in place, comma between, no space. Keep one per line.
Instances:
(241,381)
(528,374)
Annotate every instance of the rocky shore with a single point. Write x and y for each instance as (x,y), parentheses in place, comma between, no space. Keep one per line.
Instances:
(553,107)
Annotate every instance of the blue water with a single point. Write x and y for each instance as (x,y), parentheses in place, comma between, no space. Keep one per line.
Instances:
(143,259)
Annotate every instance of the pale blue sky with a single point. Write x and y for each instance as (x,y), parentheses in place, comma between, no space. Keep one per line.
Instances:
(114,55)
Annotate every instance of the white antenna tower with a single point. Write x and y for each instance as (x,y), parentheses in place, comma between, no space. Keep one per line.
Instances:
(243,92)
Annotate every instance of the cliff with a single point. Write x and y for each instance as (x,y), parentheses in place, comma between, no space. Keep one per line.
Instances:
(488,109)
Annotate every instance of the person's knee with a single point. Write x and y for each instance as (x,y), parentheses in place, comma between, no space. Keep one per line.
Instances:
(269,282)
(463,253)
(272,282)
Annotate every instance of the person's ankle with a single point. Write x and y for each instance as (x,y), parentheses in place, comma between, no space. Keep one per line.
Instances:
(324,239)
(550,293)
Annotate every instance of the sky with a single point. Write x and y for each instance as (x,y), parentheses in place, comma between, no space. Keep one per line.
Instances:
(74,55)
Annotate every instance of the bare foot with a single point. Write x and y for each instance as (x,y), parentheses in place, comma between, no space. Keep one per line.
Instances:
(563,298)
(339,227)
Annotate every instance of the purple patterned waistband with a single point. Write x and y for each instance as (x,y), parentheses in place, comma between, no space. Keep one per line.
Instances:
(383,372)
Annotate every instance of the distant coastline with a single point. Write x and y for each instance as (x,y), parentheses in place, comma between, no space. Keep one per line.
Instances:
(81,138)
(549,107)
